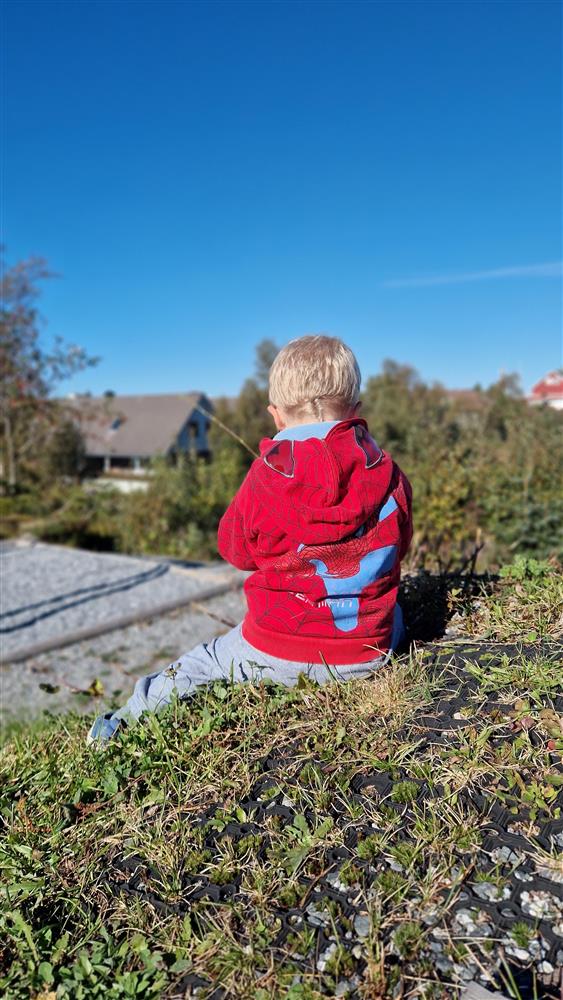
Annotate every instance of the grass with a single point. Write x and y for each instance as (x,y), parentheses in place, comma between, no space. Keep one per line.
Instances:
(526,602)
(260,791)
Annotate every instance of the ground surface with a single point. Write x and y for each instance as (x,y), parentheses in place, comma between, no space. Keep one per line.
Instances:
(49,591)
(399,837)
(99,673)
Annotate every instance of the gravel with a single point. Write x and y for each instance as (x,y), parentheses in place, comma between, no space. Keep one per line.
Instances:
(60,680)
(49,591)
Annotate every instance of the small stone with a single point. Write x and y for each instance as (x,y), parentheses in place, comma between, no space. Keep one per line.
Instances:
(551,874)
(506,853)
(444,964)
(430,915)
(519,953)
(542,905)
(343,988)
(362,925)
(487,890)
(546,968)
(325,957)
(316,917)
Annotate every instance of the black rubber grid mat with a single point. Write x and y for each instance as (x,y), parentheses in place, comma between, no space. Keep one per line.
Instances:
(508,900)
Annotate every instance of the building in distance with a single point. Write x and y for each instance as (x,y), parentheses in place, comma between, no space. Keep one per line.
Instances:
(549,390)
(122,434)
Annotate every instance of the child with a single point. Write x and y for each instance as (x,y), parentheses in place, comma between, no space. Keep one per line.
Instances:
(324,520)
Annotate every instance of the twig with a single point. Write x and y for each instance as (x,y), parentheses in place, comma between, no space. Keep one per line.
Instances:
(210,614)
(211,416)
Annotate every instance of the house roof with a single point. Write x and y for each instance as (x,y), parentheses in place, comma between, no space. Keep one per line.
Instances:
(129,426)
(549,387)
(467,399)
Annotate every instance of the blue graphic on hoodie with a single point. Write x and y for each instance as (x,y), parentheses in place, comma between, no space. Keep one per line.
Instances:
(343,592)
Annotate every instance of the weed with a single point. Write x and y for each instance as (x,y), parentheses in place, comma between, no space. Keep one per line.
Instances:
(390,883)
(408,939)
(404,792)
(522,934)
(369,848)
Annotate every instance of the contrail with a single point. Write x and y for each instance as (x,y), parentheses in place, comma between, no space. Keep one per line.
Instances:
(552,269)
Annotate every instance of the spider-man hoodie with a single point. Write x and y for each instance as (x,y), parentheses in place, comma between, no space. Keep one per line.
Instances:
(324,519)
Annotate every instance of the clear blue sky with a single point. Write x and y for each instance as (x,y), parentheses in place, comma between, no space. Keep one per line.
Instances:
(203,175)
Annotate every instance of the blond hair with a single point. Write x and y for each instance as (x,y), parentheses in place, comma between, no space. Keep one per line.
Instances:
(315,376)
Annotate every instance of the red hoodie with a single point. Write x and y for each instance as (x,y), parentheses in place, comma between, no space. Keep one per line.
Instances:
(325,524)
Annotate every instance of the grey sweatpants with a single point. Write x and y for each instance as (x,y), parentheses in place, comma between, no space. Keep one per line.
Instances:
(230,657)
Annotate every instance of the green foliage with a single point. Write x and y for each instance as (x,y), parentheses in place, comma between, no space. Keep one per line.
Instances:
(68,814)
(65,454)
(408,939)
(527,602)
(179,513)
(31,372)
(485,469)
(526,569)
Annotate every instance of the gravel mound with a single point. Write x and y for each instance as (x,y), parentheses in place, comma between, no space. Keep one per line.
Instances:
(50,591)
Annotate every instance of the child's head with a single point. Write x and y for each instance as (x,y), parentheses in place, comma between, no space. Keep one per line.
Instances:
(312,379)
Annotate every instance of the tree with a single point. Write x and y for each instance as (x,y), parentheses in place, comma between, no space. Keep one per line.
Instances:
(65,454)
(266,351)
(30,370)
(248,415)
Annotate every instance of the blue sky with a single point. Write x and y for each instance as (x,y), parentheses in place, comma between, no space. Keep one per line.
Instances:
(203,175)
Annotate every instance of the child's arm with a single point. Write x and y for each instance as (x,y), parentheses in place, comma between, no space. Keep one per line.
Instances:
(404,496)
(234,538)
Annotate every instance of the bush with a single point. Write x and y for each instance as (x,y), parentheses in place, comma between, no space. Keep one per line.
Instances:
(485,470)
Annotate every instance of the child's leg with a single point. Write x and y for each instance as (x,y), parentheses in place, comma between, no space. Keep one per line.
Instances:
(227,657)
(223,658)
(230,657)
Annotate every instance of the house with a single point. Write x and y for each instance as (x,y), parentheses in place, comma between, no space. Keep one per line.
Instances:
(549,390)
(123,433)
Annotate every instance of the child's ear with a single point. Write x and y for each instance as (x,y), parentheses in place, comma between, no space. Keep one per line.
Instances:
(277,417)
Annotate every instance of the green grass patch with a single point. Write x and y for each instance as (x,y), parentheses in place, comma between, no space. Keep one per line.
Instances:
(77,823)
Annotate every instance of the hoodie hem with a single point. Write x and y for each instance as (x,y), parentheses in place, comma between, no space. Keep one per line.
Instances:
(314,649)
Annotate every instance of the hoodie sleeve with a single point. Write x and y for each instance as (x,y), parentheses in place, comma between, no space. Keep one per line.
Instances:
(233,536)
(404,492)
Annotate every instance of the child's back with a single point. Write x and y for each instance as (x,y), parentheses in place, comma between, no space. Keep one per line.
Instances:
(324,519)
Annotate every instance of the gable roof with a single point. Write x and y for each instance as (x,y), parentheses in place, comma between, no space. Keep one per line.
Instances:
(467,399)
(129,426)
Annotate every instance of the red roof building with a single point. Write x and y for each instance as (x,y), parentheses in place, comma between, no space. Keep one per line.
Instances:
(549,390)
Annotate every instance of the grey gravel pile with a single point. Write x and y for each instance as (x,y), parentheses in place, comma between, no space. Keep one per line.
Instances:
(58,681)
(49,592)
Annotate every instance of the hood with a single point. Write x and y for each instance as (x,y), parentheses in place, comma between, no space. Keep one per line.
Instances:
(330,486)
